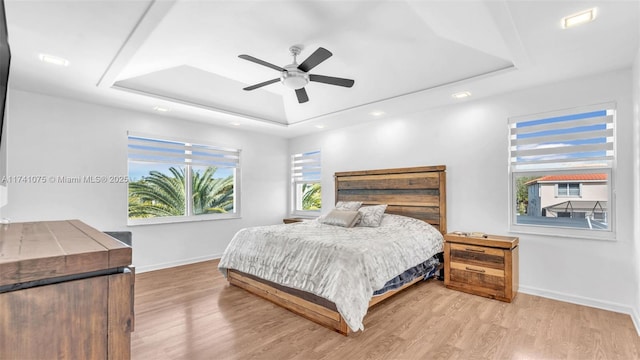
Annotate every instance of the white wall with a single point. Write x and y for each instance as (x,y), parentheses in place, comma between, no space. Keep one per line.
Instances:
(636,181)
(471,140)
(52,136)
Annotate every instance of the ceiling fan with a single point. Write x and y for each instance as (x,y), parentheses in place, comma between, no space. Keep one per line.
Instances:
(296,76)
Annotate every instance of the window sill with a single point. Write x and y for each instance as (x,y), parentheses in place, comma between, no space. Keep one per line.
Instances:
(181,219)
(603,235)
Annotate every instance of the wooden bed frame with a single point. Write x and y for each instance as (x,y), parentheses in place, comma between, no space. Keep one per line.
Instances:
(417,192)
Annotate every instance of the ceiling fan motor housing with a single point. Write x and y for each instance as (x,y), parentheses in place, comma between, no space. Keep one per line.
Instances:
(294,78)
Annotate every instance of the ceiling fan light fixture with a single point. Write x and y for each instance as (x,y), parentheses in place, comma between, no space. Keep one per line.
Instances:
(293,78)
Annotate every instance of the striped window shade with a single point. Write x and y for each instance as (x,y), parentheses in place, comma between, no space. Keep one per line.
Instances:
(563,140)
(306,167)
(146,149)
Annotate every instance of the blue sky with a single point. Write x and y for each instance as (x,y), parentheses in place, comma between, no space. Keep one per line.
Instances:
(563,142)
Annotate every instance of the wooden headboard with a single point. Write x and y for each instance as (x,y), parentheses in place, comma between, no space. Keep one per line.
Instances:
(417,192)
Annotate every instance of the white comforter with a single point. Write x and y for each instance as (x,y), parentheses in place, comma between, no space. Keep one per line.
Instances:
(343,265)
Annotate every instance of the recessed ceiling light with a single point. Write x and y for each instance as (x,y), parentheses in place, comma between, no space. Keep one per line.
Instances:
(377,113)
(235,123)
(320,126)
(579,18)
(461,95)
(161,109)
(54,60)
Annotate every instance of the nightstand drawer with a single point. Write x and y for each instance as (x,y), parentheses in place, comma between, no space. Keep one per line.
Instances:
(483,280)
(487,271)
(477,256)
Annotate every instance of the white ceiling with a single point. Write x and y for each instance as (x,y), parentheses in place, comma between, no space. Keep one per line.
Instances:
(404,56)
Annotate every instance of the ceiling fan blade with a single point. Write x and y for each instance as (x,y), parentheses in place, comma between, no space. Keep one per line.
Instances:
(315,59)
(253,87)
(261,62)
(302,95)
(331,80)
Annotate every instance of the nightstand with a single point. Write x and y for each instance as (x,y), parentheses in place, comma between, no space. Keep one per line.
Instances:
(485,266)
(292,220)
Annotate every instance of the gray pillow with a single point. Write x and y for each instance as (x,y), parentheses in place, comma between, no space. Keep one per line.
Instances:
(371,215)
(348,205)
(344,218)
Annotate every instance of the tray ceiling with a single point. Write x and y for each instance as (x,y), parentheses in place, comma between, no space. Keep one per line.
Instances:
(403,55)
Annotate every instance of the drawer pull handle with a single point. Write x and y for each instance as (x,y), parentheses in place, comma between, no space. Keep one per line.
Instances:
(476,270)
(474,250)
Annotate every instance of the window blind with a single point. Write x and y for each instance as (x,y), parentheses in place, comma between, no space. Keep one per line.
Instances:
(306,166)
(144,149)
(569,140)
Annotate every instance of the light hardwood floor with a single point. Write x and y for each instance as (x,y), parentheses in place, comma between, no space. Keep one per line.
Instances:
(190,312)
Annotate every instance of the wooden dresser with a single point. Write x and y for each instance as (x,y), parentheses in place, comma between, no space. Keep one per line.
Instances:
(485,266)
(66,292)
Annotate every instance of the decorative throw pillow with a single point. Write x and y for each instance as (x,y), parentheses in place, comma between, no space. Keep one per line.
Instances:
(344,218)
(371,215)
(348,205)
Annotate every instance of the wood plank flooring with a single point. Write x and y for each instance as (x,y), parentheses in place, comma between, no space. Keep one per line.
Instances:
(190,312)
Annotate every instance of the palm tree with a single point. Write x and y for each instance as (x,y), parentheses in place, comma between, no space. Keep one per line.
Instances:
(311,196)
(211,195)
(160,194)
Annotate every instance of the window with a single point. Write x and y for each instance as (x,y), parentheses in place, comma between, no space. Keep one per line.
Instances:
(561,167)
(568,189)
(173,181)
(305,180)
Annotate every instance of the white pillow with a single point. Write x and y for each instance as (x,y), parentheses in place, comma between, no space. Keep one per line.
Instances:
(348,205)
(371,215)
(344,218)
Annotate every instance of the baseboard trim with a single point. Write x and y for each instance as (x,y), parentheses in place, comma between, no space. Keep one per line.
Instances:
(581,300)
(635,317)
(145,268)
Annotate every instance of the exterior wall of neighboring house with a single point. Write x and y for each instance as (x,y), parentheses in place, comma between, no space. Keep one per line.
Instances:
(575,197)
(589,191)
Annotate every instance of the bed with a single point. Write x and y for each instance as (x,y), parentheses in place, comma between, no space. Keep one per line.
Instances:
(305,267)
